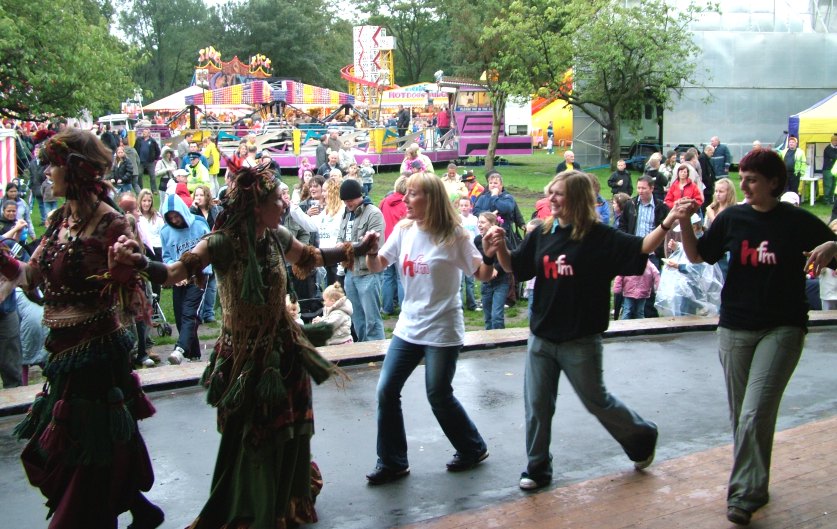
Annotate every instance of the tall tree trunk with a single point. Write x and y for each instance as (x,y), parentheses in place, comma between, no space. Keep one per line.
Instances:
(614,131)
(498,106)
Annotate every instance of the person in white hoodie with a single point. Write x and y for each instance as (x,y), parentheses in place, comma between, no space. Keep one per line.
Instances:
(337,311)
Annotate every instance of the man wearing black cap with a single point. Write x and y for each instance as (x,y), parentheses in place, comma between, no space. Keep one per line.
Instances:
(362,287)
(475,189)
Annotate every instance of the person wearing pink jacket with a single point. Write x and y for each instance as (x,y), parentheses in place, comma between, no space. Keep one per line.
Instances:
(636,290)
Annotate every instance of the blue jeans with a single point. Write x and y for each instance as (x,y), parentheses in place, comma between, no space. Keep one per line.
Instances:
(493,304)
(50,207)
(391,288)
(440,366)
(41,209)
(185,302)
(207,310)
(468,283)
(11,357)
(633,308)
(757,368)
(367,188)
(530,300)
(365,294)
(581,362)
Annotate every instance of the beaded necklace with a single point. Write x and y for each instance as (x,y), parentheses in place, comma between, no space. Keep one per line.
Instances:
(80,224)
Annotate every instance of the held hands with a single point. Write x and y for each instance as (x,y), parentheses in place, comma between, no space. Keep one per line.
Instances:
(683,210)
(125,252)
(369,244)
(821,256)
(493,240)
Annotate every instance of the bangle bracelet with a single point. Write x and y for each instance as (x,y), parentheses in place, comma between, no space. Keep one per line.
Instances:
(489,260)
(372,254)
(663,226)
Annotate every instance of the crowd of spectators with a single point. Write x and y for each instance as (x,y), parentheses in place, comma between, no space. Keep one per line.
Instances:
(331,204)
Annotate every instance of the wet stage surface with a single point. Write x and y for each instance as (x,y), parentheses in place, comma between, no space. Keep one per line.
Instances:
(673,380)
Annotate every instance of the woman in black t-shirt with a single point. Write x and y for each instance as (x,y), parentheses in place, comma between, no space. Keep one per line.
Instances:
(764,312)
(574,257)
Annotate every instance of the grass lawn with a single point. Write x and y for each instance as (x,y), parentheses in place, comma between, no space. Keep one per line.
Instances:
(524,177)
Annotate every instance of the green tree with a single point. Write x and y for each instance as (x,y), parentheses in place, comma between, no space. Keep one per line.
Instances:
(623,55)
(303,38)
(482,51)
(59,59)
(169,34)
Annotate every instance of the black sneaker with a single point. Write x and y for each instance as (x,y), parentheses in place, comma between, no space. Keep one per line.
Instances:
(459,463)
(738,516)
(382,475)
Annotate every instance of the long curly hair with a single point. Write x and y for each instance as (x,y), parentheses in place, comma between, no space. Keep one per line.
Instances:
(86,160)
(250,187)
(332,195)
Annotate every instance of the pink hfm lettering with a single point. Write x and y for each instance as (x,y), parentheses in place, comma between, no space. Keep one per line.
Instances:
(411,268)
(551,270)
(757,255)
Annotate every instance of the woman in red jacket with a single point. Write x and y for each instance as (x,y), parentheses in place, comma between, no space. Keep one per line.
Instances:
(684,186)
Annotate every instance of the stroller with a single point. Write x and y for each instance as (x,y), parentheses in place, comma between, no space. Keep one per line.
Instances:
(158,319)
(310,308)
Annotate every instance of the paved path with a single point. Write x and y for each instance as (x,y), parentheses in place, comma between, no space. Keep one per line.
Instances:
(672,379)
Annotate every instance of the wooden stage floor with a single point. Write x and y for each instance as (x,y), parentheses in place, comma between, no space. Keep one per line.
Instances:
(686,492)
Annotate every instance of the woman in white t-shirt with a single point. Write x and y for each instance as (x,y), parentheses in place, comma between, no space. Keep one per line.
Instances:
(326,210)
(431,248)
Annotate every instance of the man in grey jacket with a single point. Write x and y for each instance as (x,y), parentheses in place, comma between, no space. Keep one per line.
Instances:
(362,287)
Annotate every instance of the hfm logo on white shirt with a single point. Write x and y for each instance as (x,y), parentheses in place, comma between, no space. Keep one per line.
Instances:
(412,268)
(758,255)
(559,267)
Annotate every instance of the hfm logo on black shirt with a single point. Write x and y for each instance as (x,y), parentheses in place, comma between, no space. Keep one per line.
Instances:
(756,256)
(559,267)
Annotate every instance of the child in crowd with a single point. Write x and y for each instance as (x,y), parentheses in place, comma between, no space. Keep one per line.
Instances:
(469,222)
(366,172)
(531,226)
(620,180)
(353,171)
(636,290)
(337,312)
(305,165)
(293,309)
(494,292)
(828,281)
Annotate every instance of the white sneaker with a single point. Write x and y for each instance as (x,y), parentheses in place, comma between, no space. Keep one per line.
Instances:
(176,357)
(148,362)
